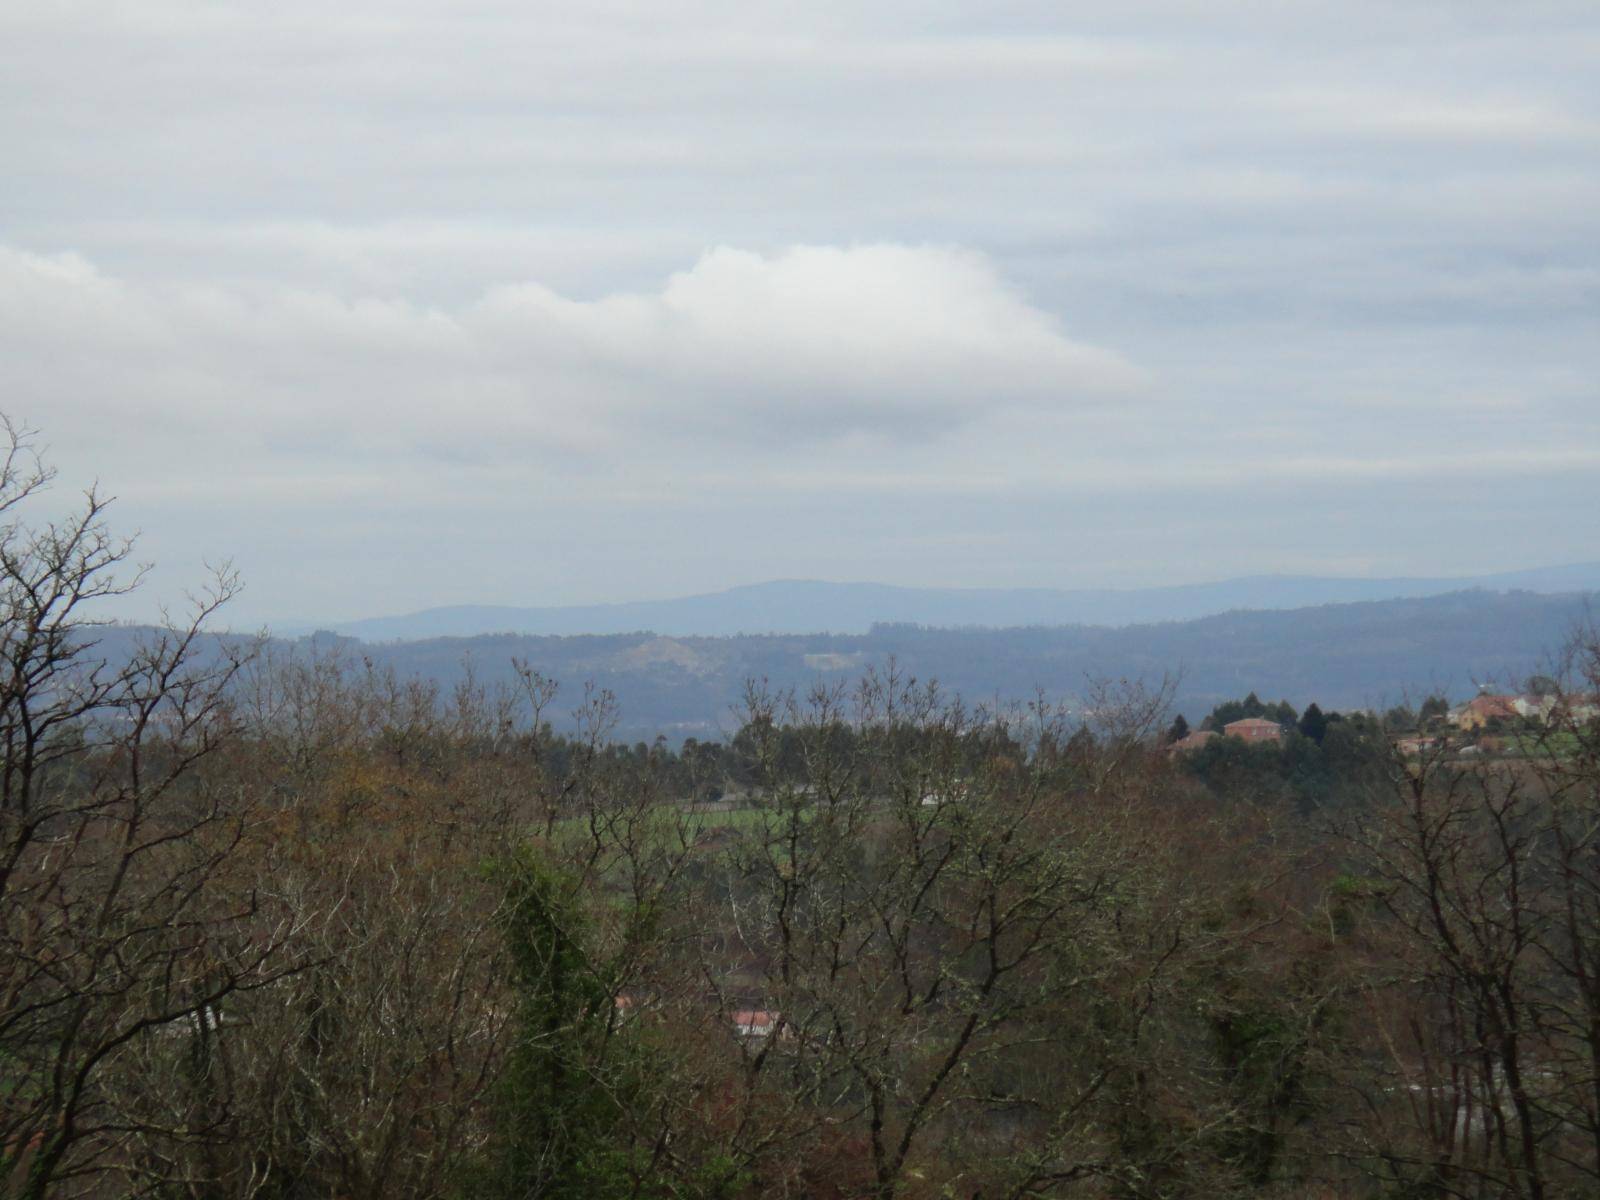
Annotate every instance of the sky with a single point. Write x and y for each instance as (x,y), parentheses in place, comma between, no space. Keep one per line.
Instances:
(405,304)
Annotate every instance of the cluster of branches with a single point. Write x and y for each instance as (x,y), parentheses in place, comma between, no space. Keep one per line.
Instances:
(284,925)
(1475,904)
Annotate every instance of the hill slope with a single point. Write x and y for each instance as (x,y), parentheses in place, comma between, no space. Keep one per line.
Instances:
(1342,656)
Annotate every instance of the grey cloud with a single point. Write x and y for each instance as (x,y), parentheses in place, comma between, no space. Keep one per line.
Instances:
(451,272)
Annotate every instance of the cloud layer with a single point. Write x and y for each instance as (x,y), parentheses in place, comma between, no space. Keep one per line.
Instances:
(409,302)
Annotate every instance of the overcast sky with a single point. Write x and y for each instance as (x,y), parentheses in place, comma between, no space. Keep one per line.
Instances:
(400,304)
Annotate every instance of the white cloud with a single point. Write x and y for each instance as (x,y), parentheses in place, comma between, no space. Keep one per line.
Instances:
(816,341)
(813,343)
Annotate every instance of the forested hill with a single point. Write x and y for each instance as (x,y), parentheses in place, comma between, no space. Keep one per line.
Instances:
(1341,655)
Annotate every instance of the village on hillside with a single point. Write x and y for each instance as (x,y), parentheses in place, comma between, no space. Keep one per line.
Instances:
(1490,724)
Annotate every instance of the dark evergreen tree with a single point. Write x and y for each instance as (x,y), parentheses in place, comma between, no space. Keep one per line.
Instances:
(1400,719)
(1433,710)
(1542,685)
(1314,724)
(557,1132)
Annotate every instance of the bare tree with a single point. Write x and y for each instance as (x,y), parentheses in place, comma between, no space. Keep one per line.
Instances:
(120,918)
(1482,877)
(916,908)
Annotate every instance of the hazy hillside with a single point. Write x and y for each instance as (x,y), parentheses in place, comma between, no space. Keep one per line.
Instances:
(809,606)
(1341,655)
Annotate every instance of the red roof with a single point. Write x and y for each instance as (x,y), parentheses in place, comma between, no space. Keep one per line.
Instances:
(1493,706)
(755,1023)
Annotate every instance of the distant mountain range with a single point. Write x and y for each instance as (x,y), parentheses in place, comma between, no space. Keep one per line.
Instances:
(1374,653)
(794,606)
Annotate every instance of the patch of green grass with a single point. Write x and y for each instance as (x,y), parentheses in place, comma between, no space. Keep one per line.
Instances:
(667,826)
(1559,743)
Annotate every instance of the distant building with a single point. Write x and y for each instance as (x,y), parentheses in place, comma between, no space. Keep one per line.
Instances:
(1579,709)
(1254,729)
(1193,741)
(754,1023)
(1537,707)
(1479,711)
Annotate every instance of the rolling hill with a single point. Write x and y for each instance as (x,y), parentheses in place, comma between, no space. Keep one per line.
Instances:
(1371,653)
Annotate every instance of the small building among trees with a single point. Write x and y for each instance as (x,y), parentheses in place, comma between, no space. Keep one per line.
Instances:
(1478,712)
(1254,729)
(1192,741)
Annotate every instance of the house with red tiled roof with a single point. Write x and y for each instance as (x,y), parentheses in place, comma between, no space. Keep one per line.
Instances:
(1192,742)
(1254,729)
(1480,710)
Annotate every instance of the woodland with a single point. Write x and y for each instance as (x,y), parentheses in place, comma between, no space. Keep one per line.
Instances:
(285,922)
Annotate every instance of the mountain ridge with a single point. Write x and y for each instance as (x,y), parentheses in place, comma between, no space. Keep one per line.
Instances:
(794,606)
(1365,654)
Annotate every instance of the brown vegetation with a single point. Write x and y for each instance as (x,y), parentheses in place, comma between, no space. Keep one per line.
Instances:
(286,925)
